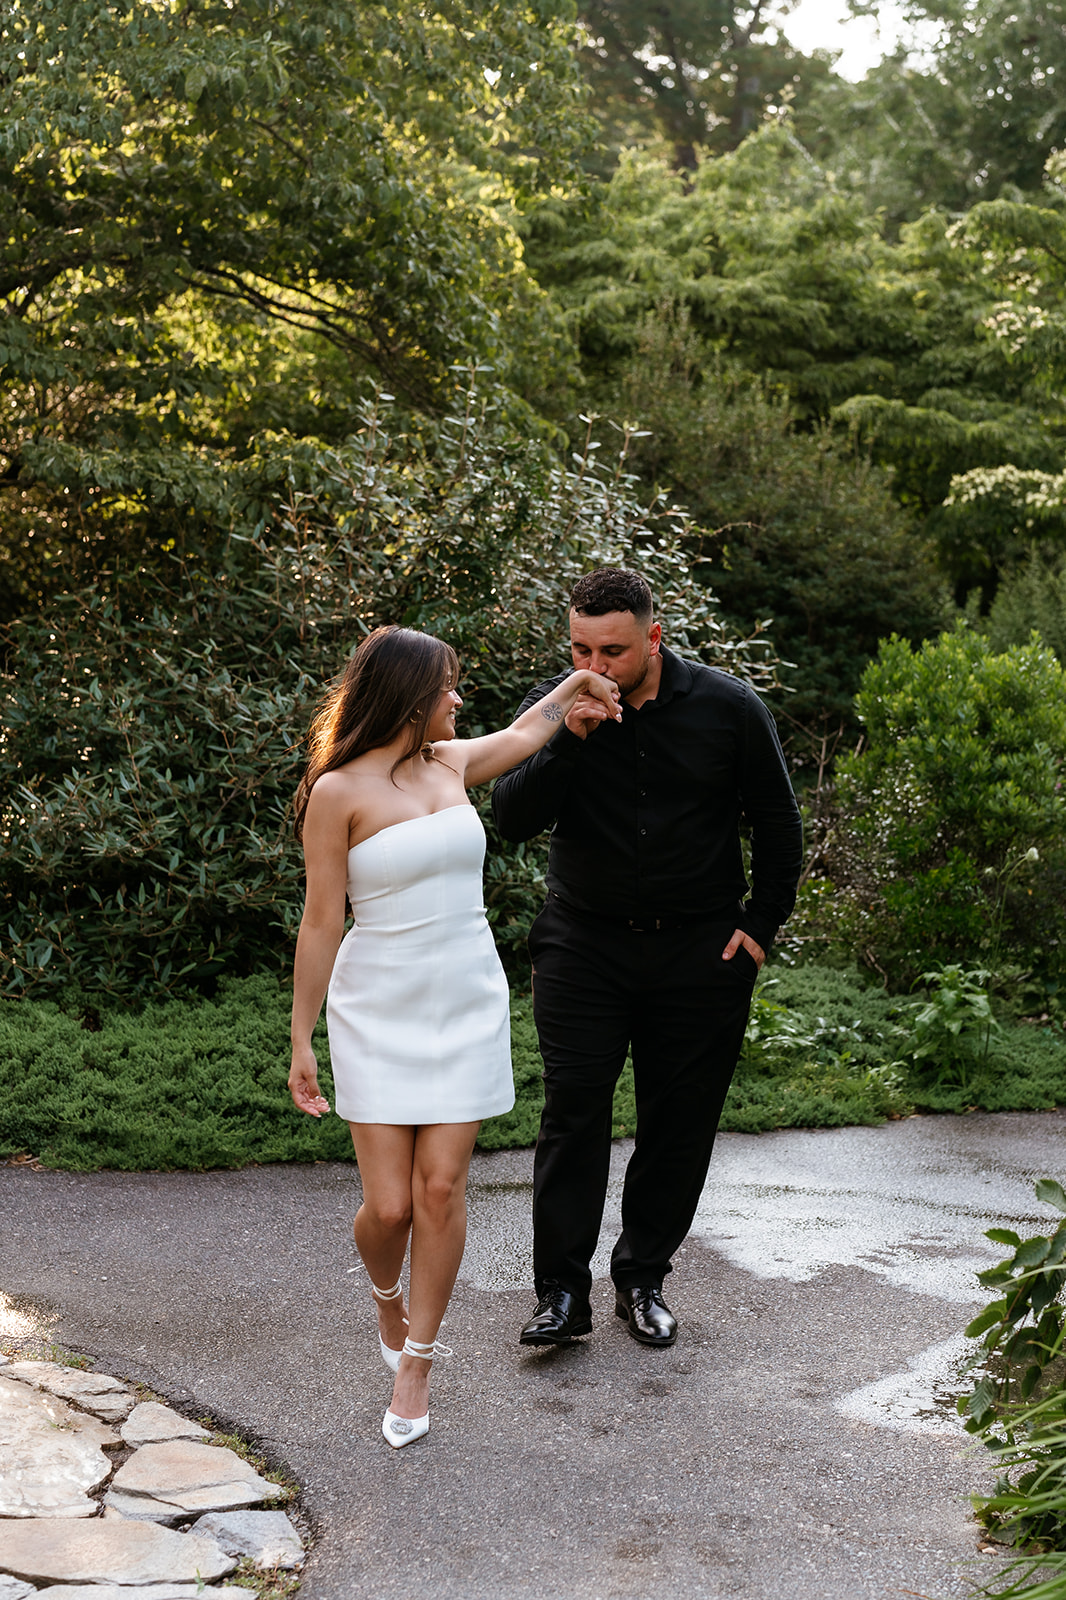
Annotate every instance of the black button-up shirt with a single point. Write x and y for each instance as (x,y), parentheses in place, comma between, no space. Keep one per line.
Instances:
(645,813)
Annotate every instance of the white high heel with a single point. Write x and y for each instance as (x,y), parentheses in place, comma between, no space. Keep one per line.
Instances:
(390,1357)
(399,1431)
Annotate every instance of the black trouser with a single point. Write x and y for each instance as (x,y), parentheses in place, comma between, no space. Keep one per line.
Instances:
(599,987)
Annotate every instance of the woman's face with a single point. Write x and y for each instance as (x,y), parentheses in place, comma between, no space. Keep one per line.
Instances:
(442,719)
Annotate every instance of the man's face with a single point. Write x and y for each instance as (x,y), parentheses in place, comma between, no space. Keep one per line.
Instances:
(615,645)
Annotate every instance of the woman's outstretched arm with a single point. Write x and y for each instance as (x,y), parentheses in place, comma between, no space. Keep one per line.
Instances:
(325,839)
(493,753)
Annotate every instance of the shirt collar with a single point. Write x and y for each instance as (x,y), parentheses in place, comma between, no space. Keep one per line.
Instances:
(676,677)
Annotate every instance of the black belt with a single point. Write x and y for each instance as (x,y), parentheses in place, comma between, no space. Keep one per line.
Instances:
(645,924)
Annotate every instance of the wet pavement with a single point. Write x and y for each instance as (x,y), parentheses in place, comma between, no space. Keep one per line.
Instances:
(798,1443)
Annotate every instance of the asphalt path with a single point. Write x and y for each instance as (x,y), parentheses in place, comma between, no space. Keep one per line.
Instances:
(798,1442)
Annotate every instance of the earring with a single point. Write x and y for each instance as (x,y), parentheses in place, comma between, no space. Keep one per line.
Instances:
(415,715)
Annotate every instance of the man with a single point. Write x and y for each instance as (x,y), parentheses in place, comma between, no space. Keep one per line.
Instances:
(643,942)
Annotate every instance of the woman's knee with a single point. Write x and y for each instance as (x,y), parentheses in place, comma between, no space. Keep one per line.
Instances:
(440,1192)
(389,1212)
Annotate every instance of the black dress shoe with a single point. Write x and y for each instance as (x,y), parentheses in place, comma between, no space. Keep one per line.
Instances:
(560,1317)
(647,1316)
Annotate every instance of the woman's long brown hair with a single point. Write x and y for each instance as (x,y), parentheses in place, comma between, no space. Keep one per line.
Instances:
(389,687)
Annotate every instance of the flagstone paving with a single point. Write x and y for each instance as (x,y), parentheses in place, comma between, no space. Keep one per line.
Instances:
(57,1538)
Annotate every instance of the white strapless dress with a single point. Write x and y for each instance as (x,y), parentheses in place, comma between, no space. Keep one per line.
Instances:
(418,1006)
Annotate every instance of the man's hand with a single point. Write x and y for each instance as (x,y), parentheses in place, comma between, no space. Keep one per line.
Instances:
(740,938)
(585,714)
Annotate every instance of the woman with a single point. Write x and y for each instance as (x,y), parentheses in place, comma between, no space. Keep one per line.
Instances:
(417,1013)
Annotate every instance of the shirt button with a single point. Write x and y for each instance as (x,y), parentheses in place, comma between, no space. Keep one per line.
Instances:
(643,831)
(640,752)
(643,792)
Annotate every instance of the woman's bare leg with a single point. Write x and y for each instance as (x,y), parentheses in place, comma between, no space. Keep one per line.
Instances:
(442,1154)
(385,1154)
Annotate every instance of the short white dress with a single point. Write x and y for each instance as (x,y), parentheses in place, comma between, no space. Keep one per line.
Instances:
(417,1008)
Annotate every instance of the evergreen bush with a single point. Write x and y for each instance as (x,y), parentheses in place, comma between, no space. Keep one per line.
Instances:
(192,1084)
(1030,598)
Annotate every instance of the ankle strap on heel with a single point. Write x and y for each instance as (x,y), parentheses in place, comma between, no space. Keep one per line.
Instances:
(425,1352)
(388,1294)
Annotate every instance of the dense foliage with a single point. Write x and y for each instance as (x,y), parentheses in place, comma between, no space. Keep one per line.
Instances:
(702,72)
(841,408)
(974,119)
(153,727)
(215,220)
(795,525)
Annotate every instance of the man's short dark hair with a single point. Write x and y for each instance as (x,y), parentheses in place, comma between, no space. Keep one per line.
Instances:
(611,589)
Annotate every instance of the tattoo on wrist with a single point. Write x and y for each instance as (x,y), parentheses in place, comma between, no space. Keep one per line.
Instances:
(552,712)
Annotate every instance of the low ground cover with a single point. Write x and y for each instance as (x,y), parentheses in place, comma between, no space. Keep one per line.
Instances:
(199,1084)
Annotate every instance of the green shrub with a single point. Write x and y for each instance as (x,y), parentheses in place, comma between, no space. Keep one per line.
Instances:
(951,1031)
(949,839)
(1018,1405)
(178,1084)
(818,1053)
(1024,1070)
(152,729)
(861,1042)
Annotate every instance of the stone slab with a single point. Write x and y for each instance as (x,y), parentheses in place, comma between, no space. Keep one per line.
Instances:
(193,1477)
(14,1588)
(143,1508)
(49,1550)
(105,1396)
(152,1423)
(50,1455)
(267,1537)
(155,1591)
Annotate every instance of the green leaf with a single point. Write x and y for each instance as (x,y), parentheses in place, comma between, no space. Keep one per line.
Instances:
(1051,1193)
(981,1401)
(195,83)
(1032,1252)
(986,1319)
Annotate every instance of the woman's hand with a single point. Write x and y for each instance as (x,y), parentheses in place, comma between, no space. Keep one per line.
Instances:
(591,707)
(303,1082)
(604,691)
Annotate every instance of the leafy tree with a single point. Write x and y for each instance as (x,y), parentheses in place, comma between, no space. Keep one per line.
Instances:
(797,526)
(894,139)
(977,121)
(994,514)
(219,219)
(703,71)
(906,345)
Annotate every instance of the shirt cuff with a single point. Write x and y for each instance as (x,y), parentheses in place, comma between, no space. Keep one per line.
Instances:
(565,744)
(759,929)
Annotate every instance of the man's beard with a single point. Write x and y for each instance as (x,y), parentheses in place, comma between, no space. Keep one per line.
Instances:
(628,686)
